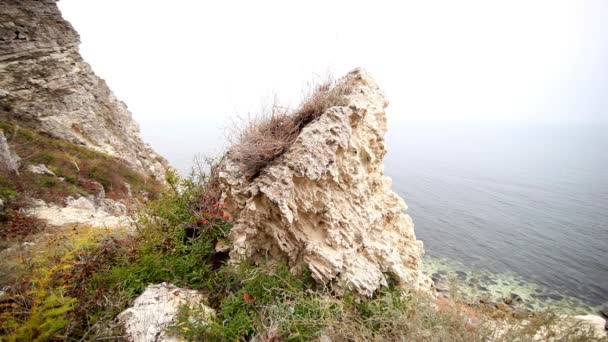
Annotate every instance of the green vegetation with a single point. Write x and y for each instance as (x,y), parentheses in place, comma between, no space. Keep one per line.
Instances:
(77,165)
(85,277)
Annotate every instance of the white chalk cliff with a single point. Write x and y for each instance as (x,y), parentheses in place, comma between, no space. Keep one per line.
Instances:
(326,204)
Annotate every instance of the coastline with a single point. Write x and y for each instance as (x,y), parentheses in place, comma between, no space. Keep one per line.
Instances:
(458,281)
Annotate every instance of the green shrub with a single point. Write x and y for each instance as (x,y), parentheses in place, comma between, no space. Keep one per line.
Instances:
(46,158)
(47,181)
(7,188)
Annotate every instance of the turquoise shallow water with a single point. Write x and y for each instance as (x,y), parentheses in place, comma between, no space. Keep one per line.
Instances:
(474,284)
(524,205)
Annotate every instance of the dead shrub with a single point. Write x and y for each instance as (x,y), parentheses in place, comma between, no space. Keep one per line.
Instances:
(269,135)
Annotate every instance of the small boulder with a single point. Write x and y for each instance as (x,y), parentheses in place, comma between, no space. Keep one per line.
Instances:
(156,309)
(113,207)
(515,297)
(41,169)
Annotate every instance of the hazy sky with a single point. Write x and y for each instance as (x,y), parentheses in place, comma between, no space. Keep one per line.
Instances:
(437,60)
(203,61)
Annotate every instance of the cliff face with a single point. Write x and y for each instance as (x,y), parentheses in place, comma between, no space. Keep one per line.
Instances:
(326,204)
(47,86)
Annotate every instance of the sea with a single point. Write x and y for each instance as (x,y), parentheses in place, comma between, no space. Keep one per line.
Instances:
(519,208)
(503,208)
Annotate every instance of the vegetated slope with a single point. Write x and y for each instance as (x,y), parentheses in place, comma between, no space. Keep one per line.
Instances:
(75,171)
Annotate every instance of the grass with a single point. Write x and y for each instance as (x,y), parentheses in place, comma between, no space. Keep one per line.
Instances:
(269,135)
(77,165)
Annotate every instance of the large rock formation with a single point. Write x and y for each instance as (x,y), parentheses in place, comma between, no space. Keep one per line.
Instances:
(46,86)
(326,204)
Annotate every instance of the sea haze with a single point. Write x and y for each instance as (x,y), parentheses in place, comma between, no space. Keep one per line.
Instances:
(528,199)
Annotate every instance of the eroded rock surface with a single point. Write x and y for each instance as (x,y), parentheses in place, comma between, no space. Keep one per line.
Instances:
(156,309)
(101,213)
(325,204)
(47,86)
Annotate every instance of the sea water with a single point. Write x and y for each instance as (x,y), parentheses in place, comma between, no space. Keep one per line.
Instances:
(522,206)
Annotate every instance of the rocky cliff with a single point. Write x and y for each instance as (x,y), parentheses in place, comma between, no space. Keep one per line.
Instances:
(47,86)
(325,203)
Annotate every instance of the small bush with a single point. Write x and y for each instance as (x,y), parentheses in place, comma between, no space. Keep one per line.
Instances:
(47,182)
(268,136)
(43,158)
(37,306)
(7,189)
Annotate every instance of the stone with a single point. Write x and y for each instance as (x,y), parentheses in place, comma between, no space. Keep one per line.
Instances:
(515,297)
(597,323)
(40,169)
(82,210)
(81,203)
(9,160)
(329,207)
(157,308)
(46,86)
(113,207)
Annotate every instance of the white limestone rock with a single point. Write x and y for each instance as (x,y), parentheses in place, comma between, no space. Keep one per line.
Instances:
(41,169)
(325,204)
(156,309)
(108,214)
(597,323)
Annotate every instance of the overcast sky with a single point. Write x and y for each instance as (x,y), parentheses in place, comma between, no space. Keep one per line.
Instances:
(205,61)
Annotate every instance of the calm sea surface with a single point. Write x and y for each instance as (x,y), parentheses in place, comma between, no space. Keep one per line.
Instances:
(527,200)
(531,200)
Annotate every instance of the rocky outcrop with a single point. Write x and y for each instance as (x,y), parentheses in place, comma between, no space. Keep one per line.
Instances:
(47,86)
(156,309)
(325,204)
